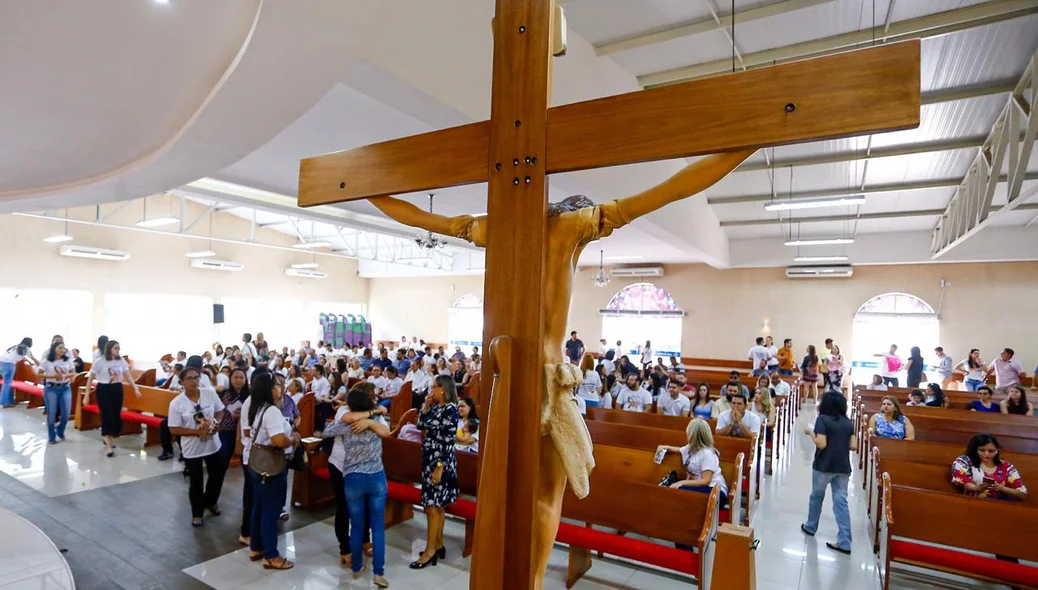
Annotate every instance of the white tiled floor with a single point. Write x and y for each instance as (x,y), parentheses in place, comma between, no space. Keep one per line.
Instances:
(28,559)
(75,465)
(785,560)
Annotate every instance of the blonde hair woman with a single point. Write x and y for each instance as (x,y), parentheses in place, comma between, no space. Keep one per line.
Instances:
(590,390)
(763,406)
(701,460)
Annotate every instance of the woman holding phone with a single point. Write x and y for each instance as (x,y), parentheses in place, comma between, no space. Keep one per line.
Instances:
(194,416)
(111,371)
(982,472)
(439,419)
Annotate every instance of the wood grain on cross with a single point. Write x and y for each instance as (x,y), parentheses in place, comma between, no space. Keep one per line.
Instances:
(866,91)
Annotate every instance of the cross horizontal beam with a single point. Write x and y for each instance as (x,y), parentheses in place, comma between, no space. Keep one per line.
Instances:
(865,91)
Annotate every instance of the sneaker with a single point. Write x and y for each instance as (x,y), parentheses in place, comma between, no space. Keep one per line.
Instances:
(165,456)
(284,515)
(380,581)
(52,442)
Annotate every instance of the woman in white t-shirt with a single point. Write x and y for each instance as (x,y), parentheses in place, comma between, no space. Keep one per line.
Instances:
(591,388)
(647,354)
(701,460)
(263,424)
(467,438)
(56,370)
(193,416)
(111,372)
(9,360)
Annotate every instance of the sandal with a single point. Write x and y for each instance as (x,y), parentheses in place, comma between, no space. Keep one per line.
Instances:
(214,510)
(197,522)
(255,555)
(244,540)
(278,563)
(368,549)
(346,560)
(380,581)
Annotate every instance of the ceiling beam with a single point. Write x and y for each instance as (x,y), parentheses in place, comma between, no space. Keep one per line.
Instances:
(861,217)
(868,190)
(703,25)
(924,27)
(883,152)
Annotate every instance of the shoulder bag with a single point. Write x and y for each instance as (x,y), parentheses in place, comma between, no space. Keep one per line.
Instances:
(265,460)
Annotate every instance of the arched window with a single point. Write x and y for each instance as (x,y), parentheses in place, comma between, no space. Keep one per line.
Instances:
(893,318)
(641,312)
(465,322)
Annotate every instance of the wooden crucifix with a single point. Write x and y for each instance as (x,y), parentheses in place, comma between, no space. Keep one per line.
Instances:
(535,442)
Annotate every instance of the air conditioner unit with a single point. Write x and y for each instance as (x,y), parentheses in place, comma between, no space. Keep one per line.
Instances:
(305,273)
(210,264)
(88,252)
(819,272)
(637,271)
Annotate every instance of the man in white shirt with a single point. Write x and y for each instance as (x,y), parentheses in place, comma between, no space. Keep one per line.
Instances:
(737,421)
(377,379)
(603,348)
(320,386)
(419,378)
(778,386)
(673,403)
(760,356)
(633,397)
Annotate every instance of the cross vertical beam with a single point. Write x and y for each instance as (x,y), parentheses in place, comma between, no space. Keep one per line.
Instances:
(515,288)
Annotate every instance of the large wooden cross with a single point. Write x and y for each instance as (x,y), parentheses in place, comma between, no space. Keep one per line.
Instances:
(866,91)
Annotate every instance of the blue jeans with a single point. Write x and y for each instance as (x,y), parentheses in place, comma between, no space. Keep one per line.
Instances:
(267,500)
(892,381)
(386,402)
(786,372)
(6,393)
(366,498)
(592,403)
(838,481)
(973,384)
(57,399)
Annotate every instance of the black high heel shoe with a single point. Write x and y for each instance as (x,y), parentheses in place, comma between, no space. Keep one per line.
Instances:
(441,553)
(418,564)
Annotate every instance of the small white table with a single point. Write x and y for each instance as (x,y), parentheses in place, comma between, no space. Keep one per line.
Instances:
(29,560)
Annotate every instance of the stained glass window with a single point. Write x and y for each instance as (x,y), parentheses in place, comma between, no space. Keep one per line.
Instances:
(468,300)
(642,297)
(896,303)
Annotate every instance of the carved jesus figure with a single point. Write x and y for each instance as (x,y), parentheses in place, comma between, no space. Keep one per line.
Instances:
(565,450)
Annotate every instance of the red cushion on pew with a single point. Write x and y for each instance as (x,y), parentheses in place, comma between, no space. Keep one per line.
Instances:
(463,508)
(150,421)
(1014,573)
(92,408)
(745,484)
(28,388)
(321,472)
(404,492)
(724,515)
(665,556)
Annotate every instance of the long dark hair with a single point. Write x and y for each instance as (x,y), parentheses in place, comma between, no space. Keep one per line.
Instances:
(695,401)
(978,441)
(833,404)
(102,342)
(244,393)
(1020,408)
(473,419)
(52,353)
(812,356)
(261,393)
(111,344)
(972,363)
(937,392)
(450,391)
(916,354)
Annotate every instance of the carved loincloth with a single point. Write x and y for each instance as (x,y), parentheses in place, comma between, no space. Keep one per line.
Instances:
(561,419)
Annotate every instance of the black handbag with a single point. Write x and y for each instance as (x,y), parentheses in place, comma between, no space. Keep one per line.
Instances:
(670,479)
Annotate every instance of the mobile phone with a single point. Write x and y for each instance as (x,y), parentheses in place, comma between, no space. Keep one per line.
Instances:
(988,480)
(660,454)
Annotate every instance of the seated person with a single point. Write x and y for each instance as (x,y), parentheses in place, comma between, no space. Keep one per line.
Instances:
(163,373)
(935,397)
(738,421)
(877,384)
(295,391)
(467,437)
(672,403)
(701,460)
(377,379)
(779,388)
(762,405)
(889,422)
(981,472)
(223,378)
(367,360)
(734,377)
(983,402)
(383,360)
(634,397)
(391,388)
(723,403)
(702,405)
(1016,402)
(916,398)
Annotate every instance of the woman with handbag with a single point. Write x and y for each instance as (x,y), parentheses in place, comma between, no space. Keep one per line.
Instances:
(268,438)
(439,419)
(193,416)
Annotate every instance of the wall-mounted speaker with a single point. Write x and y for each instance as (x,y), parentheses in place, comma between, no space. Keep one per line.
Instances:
(217,313)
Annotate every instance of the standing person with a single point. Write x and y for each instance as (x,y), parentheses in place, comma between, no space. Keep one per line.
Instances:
(248,349)
(439,419)
(99,352)
(836,368)
(944,368)
(233,398)
(785,358)
(824,361)
(56,370)
(833,436)
(8,363)
(110,371)
(972,370)
(915,367)
(267,432)
(809,372)
(590,389)
(603,347)
(364,479)
(76,361)
(760,356)
(890,366)
(647,354)
(1008,371)
(574,348)
(773,362)
(193,416)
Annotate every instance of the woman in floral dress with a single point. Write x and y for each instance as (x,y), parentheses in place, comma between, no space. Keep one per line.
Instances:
(439,421)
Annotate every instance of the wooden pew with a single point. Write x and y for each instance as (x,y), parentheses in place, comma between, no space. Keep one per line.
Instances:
(148,411)
(399,404)
(973,524)
(26,385)
(146,378)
